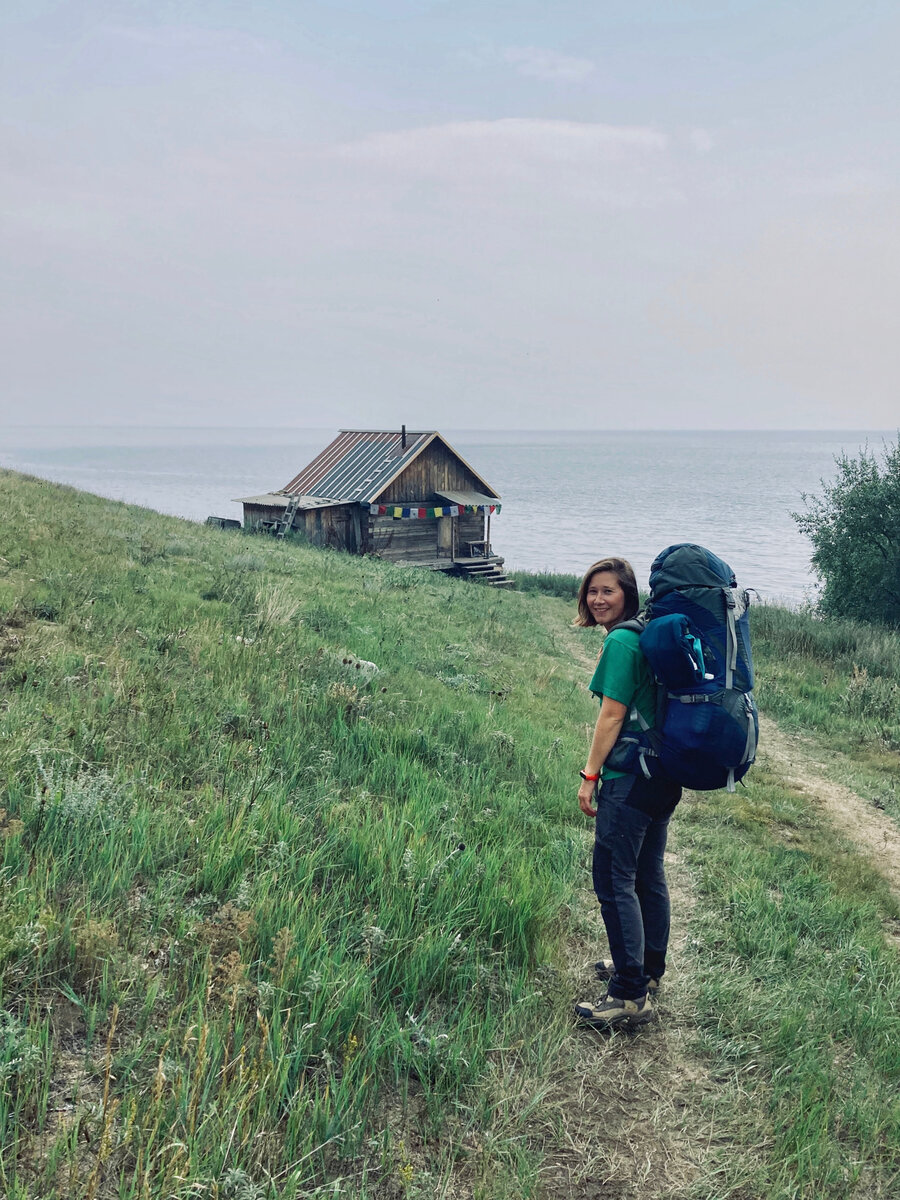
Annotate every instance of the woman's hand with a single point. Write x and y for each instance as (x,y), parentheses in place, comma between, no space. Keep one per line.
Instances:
(586,798)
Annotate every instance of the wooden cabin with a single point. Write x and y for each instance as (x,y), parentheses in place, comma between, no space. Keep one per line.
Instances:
(407,497)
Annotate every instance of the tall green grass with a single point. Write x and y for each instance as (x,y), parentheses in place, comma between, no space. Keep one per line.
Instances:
(284,828)
(795,992)
(841,643)
(548,583)
(288,844)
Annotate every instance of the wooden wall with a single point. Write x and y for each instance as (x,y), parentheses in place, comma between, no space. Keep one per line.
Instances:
(469,528)
(349,527)
(255,514)
(404,540)
(408,540)
(435,470)
(333,527)
(337,526)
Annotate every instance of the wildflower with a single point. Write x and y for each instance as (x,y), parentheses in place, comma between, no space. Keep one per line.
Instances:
(311,984)
(351,1049)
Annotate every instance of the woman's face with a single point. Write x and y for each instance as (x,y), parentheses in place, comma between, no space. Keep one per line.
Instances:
(605,598)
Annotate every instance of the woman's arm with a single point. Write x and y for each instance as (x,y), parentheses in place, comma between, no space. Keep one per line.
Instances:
(609,723)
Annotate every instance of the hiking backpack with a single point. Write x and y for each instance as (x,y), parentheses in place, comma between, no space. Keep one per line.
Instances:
(695,634)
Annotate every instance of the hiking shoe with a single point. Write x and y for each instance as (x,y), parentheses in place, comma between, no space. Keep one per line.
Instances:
(613,1013)
(605,970)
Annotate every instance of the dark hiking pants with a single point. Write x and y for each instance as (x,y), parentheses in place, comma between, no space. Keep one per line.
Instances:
(631,828)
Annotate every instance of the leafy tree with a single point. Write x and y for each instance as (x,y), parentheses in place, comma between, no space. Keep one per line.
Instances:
(854,527)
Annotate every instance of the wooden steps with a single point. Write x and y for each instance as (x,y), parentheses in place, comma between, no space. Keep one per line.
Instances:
(484,570)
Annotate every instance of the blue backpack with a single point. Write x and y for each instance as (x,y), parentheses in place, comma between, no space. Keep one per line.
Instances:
(695,634)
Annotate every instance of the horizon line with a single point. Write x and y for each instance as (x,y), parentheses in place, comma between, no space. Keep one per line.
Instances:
(476,429)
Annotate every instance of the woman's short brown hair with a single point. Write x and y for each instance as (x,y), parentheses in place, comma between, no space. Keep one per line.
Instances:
(623,571)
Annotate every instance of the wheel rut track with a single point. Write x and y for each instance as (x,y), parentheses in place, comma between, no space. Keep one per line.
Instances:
(800,764)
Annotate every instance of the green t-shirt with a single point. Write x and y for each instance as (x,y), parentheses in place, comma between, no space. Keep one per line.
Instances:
(623,674)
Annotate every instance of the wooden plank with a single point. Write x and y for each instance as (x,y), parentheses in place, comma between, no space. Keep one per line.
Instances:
(435,469)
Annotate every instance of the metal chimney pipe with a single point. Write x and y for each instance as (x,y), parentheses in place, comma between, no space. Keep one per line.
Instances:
(402,437)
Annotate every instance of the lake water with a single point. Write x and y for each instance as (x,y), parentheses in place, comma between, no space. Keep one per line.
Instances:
(567,498)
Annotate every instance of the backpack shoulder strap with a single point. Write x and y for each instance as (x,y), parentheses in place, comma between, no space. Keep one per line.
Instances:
(636,624)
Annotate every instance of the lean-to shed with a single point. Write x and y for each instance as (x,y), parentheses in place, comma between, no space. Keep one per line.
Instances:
(404,496)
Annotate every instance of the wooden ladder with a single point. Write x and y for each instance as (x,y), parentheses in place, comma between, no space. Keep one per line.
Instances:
(287,520)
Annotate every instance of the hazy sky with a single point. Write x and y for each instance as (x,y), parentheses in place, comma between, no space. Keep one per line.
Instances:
(557,214)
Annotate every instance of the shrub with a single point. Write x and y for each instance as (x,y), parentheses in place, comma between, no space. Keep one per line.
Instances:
(854,527)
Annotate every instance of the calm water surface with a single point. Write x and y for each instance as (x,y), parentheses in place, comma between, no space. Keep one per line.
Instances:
(567,497)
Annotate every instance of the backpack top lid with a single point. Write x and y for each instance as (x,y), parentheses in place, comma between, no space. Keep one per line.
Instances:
(686,565)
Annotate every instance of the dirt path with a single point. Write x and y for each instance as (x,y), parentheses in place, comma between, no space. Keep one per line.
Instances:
(637,1111)
(632,1107)
(801,765)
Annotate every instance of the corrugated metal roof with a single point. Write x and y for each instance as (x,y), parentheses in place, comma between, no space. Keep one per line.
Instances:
(270,500)
(280,500)
(306,502)
(360,463)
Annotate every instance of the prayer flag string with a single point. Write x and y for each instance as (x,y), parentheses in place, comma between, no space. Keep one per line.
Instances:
(398,511)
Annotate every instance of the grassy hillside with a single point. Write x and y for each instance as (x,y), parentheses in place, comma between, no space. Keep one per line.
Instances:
(290,846)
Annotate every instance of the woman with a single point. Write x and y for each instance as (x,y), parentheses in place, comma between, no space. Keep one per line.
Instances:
(632,813)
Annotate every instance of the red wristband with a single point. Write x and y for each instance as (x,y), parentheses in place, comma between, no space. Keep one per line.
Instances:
(588,778)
